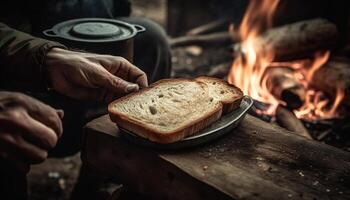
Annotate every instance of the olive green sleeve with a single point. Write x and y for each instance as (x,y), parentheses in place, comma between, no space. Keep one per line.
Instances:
(22,59)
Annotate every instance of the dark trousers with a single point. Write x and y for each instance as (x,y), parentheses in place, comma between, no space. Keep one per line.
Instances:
(151,54)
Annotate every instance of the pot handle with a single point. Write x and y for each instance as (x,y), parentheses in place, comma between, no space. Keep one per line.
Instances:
(50,33)
(139,28)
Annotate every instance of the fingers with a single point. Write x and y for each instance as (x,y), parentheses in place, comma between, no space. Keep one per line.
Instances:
(39,134)
(136,75)
(18,121)
(142,80)
(28,130)
(60,113)
(122,68)
(106,80)
(48,116)
(43,113)
(117,84)
(74,71)
(27,152)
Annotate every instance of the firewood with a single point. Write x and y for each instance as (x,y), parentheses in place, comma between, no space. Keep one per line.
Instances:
(335,73)
(297,40)
(324,135)
(213,26)
(221,70)
(212,39)
(289,121)
(284,86)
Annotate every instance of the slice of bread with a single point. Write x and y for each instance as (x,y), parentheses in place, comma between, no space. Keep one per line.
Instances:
(172,109)
(221,90)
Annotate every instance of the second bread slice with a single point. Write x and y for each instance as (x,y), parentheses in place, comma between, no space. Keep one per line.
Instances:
(222,91)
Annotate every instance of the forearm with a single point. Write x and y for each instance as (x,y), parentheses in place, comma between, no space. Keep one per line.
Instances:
(22,60)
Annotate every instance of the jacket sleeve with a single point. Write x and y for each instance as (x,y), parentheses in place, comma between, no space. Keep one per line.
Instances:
(22,59)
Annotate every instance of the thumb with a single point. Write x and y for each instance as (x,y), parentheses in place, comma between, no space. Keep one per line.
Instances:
(60,113)
(119,85)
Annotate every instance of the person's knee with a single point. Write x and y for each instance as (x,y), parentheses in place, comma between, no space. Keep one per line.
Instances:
(154,32)
(151,49)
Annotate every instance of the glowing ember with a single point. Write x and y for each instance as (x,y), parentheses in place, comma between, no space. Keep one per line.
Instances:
(249,69)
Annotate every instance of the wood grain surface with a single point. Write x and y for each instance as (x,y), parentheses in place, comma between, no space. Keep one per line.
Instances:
(256,161)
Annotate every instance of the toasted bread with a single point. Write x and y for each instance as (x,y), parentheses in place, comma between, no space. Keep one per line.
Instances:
(172,109)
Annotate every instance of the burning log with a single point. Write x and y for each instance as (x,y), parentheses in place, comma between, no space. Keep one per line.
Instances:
(333,77)
(289,121)
(295,40)
(283,85)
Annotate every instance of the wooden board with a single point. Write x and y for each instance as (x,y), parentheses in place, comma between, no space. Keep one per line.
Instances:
(256,161)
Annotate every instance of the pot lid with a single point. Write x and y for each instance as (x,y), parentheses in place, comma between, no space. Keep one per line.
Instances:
(94,30)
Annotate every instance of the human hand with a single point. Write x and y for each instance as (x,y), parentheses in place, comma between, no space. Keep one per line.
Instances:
(92,76)
(28,129)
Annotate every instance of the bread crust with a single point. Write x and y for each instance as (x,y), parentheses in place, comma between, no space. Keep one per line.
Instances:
(138,128)
(228,105)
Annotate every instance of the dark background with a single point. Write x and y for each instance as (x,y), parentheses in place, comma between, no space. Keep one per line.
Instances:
(55,178)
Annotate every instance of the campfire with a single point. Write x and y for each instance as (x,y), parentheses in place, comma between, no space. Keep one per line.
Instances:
(290,65)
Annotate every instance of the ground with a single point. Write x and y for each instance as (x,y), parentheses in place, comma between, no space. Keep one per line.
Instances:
(54,179)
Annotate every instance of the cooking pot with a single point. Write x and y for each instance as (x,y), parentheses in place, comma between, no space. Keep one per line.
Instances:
(97,35)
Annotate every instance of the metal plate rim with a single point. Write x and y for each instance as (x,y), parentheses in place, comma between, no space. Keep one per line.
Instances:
(222,127)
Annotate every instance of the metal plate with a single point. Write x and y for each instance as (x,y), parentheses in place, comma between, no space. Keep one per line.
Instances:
(219,128)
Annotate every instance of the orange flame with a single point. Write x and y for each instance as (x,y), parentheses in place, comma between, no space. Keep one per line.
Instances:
(249,67)
(315,105)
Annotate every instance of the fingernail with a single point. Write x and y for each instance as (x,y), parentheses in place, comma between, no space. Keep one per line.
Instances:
(132,88)
(60,113)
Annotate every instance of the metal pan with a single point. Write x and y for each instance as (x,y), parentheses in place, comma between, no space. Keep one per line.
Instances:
(219,128)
